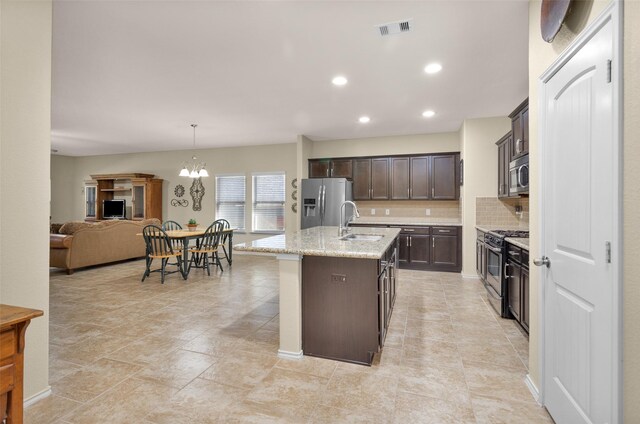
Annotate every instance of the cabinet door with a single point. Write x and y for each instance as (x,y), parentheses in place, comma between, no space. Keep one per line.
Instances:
(444,181)
(138,200)
(90,196)
(319,168)
(444,250)
(362,179)
(503,166)
(419,180)
(512,276)
(341,168)
(399,178)
(419,249)
(380,178)
(520,127)
(403,250)
(525,130)
(524,279)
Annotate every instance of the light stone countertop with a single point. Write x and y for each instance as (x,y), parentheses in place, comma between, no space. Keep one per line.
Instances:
(323,241)
(499,227)
(520,242)
(387,220)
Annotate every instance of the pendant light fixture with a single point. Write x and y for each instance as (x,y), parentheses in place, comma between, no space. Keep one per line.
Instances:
(194,169)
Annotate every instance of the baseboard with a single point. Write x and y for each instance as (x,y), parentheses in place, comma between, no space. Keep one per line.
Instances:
(470,276)
(532,388)
(289,355)
(37,397)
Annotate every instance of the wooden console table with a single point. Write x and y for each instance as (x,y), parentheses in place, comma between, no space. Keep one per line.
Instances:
(13,325)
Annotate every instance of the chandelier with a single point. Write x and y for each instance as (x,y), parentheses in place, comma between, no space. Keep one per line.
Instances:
(194,169)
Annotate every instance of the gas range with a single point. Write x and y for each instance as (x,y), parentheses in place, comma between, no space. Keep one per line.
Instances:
(496,238)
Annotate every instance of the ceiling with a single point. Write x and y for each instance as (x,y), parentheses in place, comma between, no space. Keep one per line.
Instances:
(132,76)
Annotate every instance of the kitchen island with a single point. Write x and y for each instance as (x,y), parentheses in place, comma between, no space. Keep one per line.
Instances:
(336,294)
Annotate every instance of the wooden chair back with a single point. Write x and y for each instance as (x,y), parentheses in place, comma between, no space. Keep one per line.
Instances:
(158,243)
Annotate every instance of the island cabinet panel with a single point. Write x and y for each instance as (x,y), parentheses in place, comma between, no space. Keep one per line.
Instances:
(340,316)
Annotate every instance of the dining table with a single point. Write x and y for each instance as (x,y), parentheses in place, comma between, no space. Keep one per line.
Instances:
(186,236)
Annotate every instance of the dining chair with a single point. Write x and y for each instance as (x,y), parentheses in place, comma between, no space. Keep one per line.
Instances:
(159,246)
(207,248)
(224,239)
(173,226)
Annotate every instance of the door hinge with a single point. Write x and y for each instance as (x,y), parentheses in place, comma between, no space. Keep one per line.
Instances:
(608,247)
(609,70)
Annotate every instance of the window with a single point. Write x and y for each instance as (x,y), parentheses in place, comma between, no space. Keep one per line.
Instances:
(230,199)
(268,202)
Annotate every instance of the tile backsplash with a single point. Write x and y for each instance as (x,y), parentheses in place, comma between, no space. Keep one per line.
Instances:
(410,208)
(493,212)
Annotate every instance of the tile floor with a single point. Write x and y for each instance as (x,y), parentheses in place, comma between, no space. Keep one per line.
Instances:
(204,351)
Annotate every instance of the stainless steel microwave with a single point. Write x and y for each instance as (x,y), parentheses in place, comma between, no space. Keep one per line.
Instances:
(519,176)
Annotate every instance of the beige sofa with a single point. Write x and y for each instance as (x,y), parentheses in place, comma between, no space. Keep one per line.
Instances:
(84,244)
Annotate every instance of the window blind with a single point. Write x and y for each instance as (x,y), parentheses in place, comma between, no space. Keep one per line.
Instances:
(268,202)
(230,199)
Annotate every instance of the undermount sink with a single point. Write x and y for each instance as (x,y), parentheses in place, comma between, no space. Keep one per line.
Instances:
(361,237)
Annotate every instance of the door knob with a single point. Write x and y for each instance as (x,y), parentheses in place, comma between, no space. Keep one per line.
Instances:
(542,261)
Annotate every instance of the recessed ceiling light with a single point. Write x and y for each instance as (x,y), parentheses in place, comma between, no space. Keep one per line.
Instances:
(364,119)
(339,80)
(433,68)
(428,113)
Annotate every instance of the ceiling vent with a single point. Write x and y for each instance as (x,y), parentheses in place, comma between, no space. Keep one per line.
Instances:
(394,27)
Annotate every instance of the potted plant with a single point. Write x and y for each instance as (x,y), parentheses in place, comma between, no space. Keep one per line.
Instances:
(192,224)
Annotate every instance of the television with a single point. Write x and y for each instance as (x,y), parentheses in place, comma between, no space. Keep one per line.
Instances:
(113,209)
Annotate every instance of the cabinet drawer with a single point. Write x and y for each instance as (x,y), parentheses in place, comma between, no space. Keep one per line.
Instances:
(7,344)
(415,230)
(7,378)
(446,231)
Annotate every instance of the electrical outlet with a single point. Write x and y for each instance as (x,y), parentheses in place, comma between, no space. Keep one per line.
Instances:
(427,212)
(338,278)
(386,211)
(373,211)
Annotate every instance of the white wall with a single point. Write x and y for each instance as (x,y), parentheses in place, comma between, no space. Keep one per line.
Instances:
(380,146)
(25,115)
(166,165)
(480,154)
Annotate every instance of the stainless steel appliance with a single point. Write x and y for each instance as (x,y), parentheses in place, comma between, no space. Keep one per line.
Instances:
(321,200)
(494,264)
(519,175)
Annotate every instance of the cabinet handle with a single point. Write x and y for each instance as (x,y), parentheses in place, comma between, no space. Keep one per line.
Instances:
(500,189)
(433,242)
(444,231)
(408,192)
(408,230)
(408,238)
(327,172)
(433,192)
(410,241)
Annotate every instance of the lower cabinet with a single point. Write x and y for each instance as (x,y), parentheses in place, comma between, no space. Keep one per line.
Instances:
(516,273)
(347,305)
(437,248)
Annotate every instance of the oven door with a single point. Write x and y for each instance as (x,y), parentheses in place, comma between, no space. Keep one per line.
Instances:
(494,269)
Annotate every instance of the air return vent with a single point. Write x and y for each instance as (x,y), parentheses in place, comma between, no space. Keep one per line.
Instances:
(394,27)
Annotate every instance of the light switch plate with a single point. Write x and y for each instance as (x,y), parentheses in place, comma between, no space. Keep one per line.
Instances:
(386,211)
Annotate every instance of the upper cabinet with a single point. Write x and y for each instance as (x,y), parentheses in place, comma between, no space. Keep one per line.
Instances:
(420,177)
(504,157)
(371,179)
(330,168)
(520,130)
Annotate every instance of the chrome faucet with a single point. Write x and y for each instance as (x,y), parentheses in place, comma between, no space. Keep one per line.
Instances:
(356,214)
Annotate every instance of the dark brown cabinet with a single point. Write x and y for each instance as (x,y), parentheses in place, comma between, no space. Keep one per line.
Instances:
(444,177)
(371,179)
(520,130)
(444,246)
(347,305)
(420,180)
(429,248)
(330,168)
(516,273)
(504,157)
(400,178)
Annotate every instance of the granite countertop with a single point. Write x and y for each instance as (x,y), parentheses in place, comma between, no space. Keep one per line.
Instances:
(323,241)
(387,220)
(517,241)
(485,229)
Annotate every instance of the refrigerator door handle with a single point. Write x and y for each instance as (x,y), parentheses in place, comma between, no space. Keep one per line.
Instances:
(324,200)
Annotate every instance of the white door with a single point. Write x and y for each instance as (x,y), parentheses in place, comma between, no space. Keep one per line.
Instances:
(578,225)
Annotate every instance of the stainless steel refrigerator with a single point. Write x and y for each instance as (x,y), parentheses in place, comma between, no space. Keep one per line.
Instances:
(321,201)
